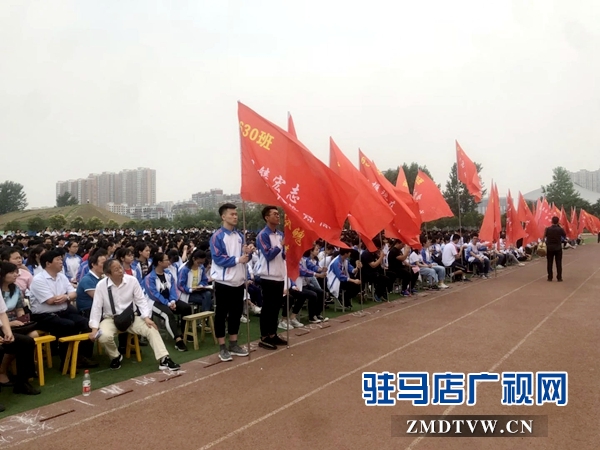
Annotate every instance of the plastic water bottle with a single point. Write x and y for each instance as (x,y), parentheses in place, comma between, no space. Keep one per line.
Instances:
(87,384)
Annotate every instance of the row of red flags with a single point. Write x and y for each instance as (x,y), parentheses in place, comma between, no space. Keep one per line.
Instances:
(277,169)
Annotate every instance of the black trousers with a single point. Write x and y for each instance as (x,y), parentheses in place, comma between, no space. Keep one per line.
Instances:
(229,302)
(22,348)
(351,290)
(272,296)
(551,256)
(297,299)
(383,283)
(65,323)
(168,315)
(408,278)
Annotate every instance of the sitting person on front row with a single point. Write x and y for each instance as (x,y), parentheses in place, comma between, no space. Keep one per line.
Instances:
(125,290)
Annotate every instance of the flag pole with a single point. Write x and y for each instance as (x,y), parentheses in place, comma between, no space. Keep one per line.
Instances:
(287,297)
(362,299)
(246,293)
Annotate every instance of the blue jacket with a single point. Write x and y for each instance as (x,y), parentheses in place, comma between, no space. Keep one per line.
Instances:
(226,249)
(268,244)
(84,268)
(151,281)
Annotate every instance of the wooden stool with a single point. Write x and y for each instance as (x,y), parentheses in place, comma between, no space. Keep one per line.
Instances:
(191,325)
(43,343)
(133,343)
(72,352)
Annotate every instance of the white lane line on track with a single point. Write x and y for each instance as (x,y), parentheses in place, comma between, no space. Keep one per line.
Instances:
(448,410)
(266,355)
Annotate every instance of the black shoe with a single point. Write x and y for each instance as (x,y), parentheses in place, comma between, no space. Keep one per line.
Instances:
(267,344)
(87,363)
(180,345)
(467,280)
(116,363)
(549,279)
(559,279)
(168,363)
(25,388)
(278,341)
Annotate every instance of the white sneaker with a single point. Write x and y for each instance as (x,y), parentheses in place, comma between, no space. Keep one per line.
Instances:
(244,319)
(521,264)
(256,309)
(443,286)
(284,325)
(315,319)
(499,266)
(296,323)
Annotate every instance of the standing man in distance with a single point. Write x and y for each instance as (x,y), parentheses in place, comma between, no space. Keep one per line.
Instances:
(228,269)
(553,238)
(272,271)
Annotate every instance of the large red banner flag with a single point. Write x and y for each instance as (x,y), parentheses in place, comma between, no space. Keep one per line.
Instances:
(514,230)
(467,173)
(526,216)
(406,224)
(297,179)
(432,204)
(370,213)
(489,228)
(573,224)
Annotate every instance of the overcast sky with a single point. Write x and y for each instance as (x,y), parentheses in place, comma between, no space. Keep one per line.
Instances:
(110,85)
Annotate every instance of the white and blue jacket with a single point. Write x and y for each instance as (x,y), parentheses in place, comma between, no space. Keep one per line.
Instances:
(152,283)
(184,282)
(226,249)
(338,271)
(271,255)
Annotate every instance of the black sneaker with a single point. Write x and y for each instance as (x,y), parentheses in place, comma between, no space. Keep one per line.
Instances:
(278,341)
(180,345)
(267,344)
(86,363)
(322,319)
(168,363)
(25,388)
(467,280)
(116,363)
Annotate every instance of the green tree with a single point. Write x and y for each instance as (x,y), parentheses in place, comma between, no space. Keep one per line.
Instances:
(66,199)
(561,191)
(77,223)
(112,225)
(162,223)
(454,188)
(36,223)
(595,209)
(13,225)
(410,172)
(130,224)
(57,222)
(95,223)
(12,197)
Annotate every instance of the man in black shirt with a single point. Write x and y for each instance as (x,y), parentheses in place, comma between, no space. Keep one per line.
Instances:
(553,237)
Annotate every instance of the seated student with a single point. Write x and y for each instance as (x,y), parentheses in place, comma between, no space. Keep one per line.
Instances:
(451,257)
(372,272)
(339,278)
(428,261)
(193,282)
(124,290)
(50,297)
(14,256)
(33,260)
(311,273)
(71,261)
(476,257)
(87,285)
(399,265)
(161,289)
(427,273)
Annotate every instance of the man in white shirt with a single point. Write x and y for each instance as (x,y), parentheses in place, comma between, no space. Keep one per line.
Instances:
(125,289)
(451,257)
(51,295)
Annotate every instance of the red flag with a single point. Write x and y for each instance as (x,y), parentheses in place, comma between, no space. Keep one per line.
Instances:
(299,181)
(582,220)
(564,222)
(467,173)
(528,217)
(432,204)
(573,224)
(489,228)
(406,225)
(370,213)
(401,181)
(524,213)
(514,230)
(544,215)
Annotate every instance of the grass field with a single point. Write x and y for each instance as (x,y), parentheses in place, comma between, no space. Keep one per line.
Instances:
(70,212)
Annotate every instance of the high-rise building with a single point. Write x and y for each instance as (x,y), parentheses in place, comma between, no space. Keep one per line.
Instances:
(209,200)
(132,187)
(587,179)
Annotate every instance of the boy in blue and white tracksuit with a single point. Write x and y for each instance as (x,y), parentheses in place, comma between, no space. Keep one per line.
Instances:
(272,271)
(228,270)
